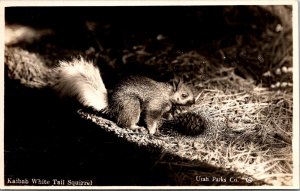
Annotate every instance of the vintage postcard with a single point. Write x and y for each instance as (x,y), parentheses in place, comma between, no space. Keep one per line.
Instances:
(154,94)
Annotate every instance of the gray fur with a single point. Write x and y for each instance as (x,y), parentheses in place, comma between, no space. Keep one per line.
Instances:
(137,94)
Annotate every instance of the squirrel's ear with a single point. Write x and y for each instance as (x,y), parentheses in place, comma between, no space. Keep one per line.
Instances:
(177,82)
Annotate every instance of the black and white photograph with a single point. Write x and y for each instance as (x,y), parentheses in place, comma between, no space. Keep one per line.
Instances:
(101,95)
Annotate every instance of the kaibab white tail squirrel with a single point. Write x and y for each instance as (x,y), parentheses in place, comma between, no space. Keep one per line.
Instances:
(131,97)
(81,79)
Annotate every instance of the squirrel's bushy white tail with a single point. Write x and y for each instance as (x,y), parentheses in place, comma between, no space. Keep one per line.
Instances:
(78,78)
(82,80)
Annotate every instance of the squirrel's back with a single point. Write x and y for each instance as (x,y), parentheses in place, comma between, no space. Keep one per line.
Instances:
(81,80)
(141,88)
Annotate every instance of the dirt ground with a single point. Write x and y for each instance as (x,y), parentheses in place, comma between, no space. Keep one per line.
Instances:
(237,59)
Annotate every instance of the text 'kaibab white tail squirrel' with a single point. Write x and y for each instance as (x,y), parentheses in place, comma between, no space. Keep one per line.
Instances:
(131,97)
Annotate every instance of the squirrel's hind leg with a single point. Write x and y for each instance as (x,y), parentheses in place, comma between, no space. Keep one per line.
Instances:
(129,115)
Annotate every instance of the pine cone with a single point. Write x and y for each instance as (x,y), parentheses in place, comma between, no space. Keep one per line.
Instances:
(189,123)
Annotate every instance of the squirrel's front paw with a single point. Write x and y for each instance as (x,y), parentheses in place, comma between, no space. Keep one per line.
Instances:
(156,133)
(153,131)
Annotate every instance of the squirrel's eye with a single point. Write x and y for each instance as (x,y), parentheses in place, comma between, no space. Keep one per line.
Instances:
(184,95)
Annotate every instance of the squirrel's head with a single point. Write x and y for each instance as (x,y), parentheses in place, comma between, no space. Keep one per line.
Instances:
(183,95)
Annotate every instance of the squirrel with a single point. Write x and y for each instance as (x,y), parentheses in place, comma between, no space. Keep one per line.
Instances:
(130,98)
(80,80)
